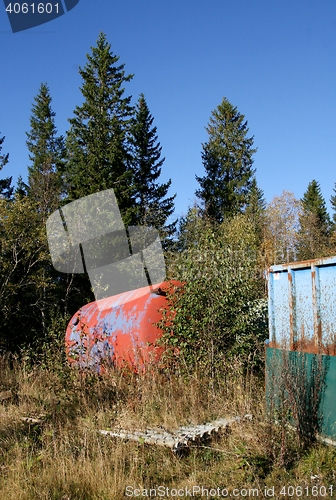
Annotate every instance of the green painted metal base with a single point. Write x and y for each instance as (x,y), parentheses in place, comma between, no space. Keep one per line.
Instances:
(301,387)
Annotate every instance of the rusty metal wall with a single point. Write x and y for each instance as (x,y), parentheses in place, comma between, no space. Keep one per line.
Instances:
(302,306)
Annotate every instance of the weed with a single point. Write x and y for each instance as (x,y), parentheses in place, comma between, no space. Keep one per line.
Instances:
(65,457)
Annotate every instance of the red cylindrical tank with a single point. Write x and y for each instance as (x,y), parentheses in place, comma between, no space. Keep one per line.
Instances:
(118,330)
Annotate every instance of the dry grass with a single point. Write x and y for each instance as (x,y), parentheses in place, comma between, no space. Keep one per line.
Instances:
(66,457)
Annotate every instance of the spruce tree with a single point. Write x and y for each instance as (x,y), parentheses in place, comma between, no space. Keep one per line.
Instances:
(315,224)
(333,223)
(333,204)
(21,189)
(97,147)
(256,204)
(227,159)
(153,208)
(314,203)
(256,208)
(6,190)
(46,153)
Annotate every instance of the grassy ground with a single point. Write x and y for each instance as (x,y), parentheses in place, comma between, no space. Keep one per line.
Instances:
(66,458)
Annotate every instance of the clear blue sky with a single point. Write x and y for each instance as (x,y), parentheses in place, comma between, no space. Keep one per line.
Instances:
(273,59)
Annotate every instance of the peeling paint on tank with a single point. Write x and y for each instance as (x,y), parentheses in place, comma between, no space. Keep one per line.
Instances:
(121,330)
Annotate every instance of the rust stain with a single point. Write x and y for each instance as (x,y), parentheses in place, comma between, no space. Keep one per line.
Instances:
(291,310)
(299,264)
(323,336)
(123,332)
(308,346)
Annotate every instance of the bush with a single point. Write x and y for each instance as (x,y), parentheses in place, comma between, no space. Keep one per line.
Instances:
(220,311)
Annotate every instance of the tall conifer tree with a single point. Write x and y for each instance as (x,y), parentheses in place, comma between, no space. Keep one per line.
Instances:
(153,208)
(256,208)
(314,203)
(227,159)
(333,204)
(256,203)
(315,224)
(46,153)
(97,147)
(6,190)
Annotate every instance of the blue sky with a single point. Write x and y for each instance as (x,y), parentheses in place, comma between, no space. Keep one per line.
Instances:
(273,59)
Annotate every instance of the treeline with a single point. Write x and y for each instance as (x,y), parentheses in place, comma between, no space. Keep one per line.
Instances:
(219,249)
(110,144)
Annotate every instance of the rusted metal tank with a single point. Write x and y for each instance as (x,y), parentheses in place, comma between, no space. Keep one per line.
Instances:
(301,350)
(118,330)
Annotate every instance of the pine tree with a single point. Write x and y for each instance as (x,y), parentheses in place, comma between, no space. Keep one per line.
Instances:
(227,159)
(46,155)
(6,190)
(152,206)
(97,148)
(333,204)
(315,224)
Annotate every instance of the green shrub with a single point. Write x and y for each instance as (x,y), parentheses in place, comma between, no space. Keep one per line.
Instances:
(220,311)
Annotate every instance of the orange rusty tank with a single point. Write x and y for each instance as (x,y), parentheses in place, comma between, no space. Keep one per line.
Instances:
(118,330)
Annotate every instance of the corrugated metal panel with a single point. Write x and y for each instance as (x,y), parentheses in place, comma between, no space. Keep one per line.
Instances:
(302,306)
(300,353)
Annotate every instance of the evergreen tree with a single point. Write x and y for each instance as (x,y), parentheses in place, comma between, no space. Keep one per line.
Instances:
(333,204)
(227,159)
(97,147)
(46,154)
(256,204)
(314,203)
(6,190)
(21,189)
(315,224)
(152,206)
(256,208)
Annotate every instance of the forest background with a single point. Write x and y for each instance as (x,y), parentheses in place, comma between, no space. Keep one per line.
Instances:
(214,332)
(219,249)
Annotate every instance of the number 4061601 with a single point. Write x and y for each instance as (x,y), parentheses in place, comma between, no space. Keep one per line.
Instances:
(307,491)
(26,8)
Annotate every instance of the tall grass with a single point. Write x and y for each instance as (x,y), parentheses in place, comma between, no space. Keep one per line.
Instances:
(65,456)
